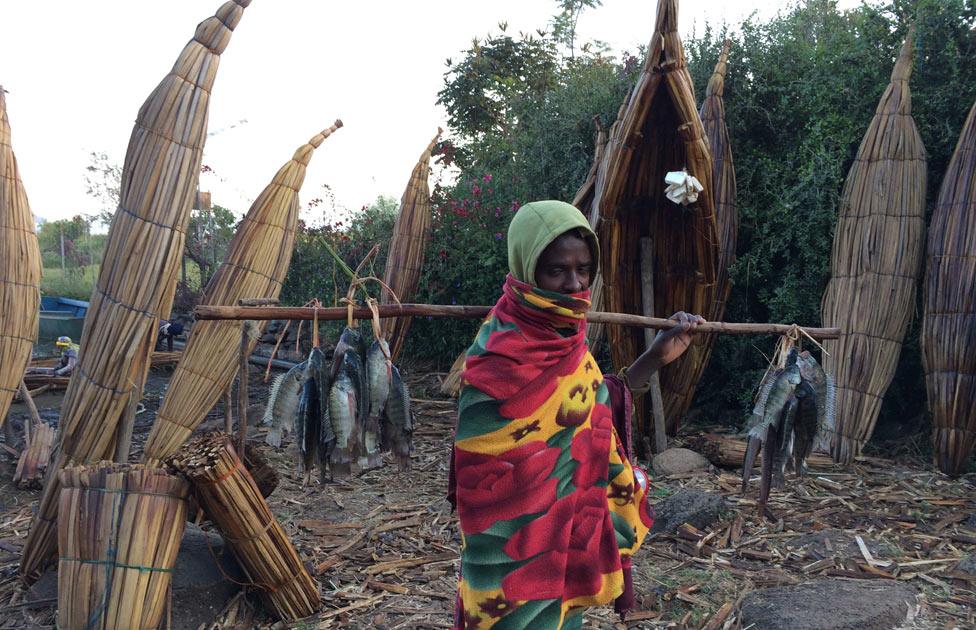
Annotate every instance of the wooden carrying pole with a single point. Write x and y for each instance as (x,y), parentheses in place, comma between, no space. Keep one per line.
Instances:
(265,313)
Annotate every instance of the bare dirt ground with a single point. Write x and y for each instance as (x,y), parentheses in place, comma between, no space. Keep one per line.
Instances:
(384,545)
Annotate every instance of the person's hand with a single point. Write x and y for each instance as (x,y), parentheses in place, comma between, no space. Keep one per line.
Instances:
(671,343)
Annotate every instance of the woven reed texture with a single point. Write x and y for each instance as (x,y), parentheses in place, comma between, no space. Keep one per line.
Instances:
(406,256)
(658,131)
(140,267)
(949,325)
(231,499)
(118,537)
(255,267)
(584,202)
(875,264)
(20,270)
(723,178)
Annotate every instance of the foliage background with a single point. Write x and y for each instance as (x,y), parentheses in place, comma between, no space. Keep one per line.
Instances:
(801,89)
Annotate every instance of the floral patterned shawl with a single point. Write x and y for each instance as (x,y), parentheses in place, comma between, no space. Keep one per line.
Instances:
(549,506)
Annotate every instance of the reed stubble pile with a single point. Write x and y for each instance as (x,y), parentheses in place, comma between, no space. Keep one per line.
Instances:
(949,326)
(232,501)
(118,536)
(406,257)
(137,279)
(659,130)
(876,260)
(20,270)
(255,267)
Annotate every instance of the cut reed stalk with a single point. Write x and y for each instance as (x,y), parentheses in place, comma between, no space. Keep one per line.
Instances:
(949,324)
(876,260)
(118,536)
(232,501)
(137,279)
(255,267)
(406,257)
(34,458)
(20,270)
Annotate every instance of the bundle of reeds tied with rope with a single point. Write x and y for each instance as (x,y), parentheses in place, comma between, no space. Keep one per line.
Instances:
(659,131)
(255,267)
(118,536)
(20,270)
(876,259)
(723,178)
(406,256)
(949,324)
(140,267)
(231,500)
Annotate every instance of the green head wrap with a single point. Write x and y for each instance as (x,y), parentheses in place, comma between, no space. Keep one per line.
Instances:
(538,224)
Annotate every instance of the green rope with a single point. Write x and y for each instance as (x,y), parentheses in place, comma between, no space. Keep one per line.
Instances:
(123,491)
(118,565)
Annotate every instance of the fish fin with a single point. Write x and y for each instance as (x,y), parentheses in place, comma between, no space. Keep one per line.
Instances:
(273,438)
(768,455)
(752,449)
(268,416)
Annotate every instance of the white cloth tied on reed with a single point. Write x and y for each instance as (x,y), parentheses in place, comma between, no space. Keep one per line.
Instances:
(682,187)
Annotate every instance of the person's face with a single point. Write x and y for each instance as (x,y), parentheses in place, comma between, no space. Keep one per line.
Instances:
(566,265)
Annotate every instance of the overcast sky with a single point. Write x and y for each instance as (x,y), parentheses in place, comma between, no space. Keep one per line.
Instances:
(77,73)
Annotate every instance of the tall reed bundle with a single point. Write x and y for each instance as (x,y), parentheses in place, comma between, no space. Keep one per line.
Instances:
(584,202)
(255,267)
(406,257)
(876,259)
(723,178)
(119,536)
(232,501)
(659,131)
(20,270)
(35,457)
(137,279)
(949,324)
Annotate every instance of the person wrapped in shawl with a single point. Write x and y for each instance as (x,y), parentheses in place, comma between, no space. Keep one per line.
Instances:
(551,509)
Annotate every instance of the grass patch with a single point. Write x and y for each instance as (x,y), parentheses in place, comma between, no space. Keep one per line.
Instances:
(75,282)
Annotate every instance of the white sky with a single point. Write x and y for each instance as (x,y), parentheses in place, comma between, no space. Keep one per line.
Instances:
(77,73)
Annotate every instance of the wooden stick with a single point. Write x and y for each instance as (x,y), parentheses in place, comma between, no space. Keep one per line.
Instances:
(273,301)
(647,293)
(242,392)
(228,414)
(31,409)
(265,313)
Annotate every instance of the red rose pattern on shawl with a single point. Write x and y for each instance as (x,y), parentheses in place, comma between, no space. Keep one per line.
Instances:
(492,489)
(573,545)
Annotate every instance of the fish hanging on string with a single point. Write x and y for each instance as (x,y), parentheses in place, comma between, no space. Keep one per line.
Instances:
(792,406)
(283,400)
(398,422)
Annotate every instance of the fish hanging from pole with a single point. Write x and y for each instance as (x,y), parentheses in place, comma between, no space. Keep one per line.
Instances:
(794,403)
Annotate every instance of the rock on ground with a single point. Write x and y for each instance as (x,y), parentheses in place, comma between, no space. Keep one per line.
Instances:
(678,460)
(830,604)
(700,509)
(967,565)
(200,588)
